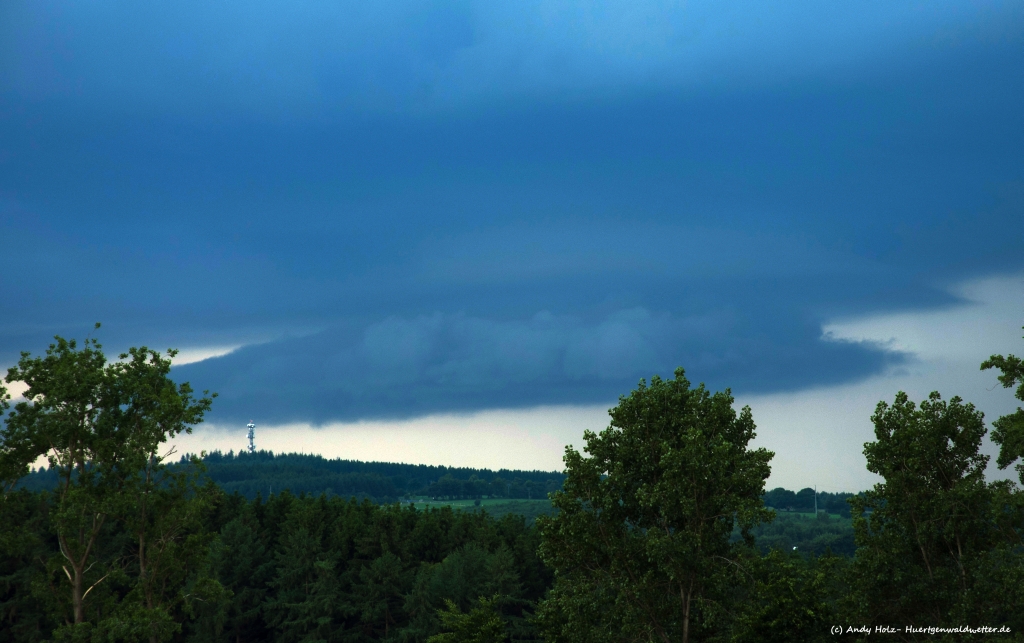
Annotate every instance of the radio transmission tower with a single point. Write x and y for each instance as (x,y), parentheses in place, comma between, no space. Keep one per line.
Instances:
(252,436)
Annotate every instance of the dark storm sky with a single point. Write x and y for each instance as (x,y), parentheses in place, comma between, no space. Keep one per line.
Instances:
(402,208)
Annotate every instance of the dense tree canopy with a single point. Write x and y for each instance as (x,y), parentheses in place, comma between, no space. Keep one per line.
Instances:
(118,513)
(642,543)
(1008,430)
(936,543)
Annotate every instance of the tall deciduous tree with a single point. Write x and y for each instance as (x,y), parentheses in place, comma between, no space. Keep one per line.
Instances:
(1008,431)
(100,425)
(641,544)
(935,540)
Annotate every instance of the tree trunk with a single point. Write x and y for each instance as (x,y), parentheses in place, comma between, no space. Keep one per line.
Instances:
(77,601)
(686,613)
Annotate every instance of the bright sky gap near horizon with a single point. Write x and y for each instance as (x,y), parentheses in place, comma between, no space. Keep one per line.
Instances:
(456,232)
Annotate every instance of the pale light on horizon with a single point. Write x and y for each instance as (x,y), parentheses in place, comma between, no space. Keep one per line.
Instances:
(198,354)
(525,439)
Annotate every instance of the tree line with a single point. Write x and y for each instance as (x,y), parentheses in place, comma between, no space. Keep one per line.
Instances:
(807,500)
(656,535)
(381,482)
(260,472)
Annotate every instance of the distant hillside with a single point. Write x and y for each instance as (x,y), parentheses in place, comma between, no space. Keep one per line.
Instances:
(264,472)
(803,501)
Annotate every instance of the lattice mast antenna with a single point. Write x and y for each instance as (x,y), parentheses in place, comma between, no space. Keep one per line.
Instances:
(252,436)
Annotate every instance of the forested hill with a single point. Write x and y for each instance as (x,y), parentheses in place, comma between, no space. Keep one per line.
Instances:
(265,472)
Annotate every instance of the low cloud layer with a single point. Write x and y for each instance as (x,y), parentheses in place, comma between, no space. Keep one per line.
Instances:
(402,367)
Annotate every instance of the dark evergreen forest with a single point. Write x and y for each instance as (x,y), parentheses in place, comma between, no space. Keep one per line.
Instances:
(295,568)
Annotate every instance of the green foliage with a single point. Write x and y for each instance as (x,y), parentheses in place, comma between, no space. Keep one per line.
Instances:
(461,579)
(531,510)
(24,540)
(641,544)
(63,418)
(805,533)
(931,535)
(327,569)
(263,472)
(791,599)
(126,527)
(804,501)
(170,554)
(240,561)
(383,584)
(482,624)
(13,454)
(1008,431)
